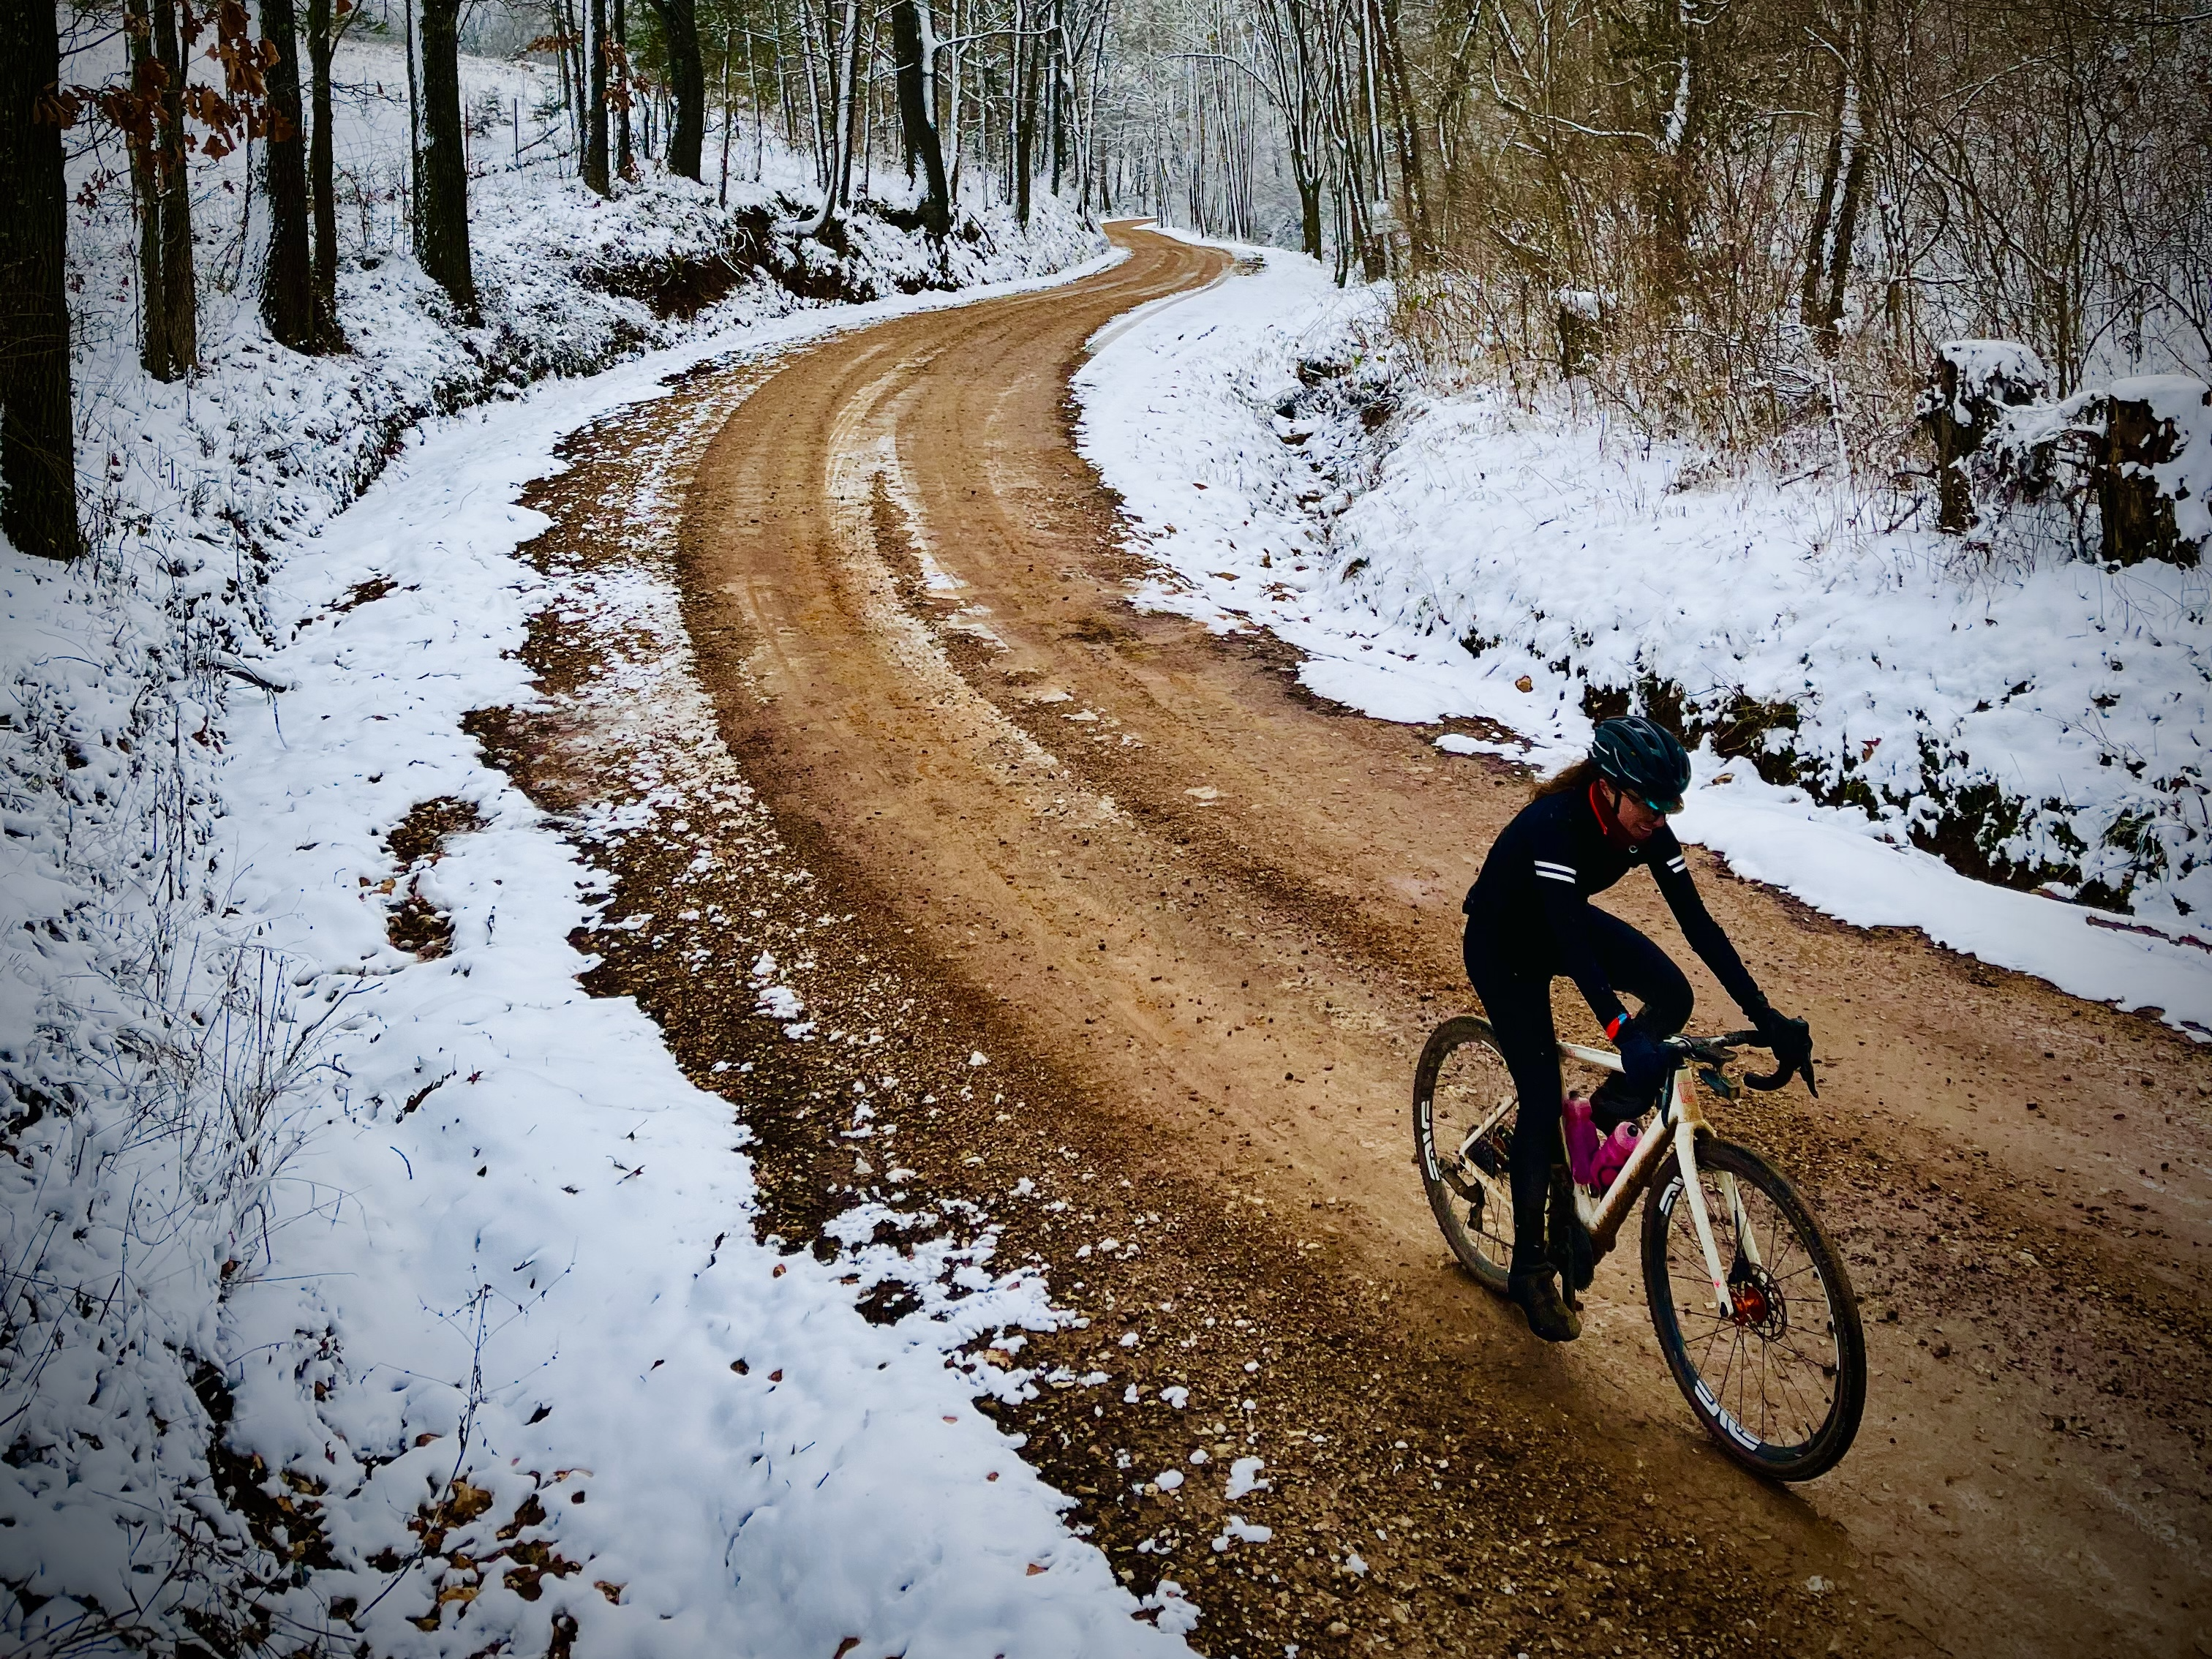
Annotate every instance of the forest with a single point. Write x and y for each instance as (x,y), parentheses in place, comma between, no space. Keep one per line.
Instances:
(738,746)
(1740,218)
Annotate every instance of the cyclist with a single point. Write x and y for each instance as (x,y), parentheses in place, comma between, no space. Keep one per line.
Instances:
(1528,921)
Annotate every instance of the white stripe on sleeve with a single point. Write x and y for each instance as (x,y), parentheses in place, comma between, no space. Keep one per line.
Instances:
(1551,872)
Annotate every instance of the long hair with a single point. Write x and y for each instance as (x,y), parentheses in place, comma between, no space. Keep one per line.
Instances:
(1573,781)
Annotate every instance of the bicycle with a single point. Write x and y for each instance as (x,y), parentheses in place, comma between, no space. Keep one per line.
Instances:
(1753,1307)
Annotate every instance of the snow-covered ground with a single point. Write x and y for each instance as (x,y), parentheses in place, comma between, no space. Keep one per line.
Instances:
(1469,559)
(352,1297)
(566,1291)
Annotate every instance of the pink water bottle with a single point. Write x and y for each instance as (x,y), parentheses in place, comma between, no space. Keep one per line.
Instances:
(1609,1160)
(1582,1141)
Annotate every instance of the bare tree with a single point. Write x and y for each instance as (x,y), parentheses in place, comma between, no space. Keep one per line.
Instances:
(443,208)
(687,80)
(913,49)
(288,295)
(324,27)
(596,175)
(37,453)
(177,301)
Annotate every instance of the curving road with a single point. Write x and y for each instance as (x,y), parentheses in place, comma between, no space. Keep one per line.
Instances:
(1214,918)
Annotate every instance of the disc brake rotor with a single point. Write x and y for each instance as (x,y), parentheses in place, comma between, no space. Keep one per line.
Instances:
(1756,1303)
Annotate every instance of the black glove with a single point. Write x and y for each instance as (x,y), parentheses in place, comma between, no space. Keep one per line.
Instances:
(1790,1040)
(1642,1063)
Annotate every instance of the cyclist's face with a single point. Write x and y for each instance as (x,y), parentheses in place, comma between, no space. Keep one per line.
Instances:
(1640,821)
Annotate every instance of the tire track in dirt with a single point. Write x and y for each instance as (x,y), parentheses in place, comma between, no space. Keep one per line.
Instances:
(1200,924)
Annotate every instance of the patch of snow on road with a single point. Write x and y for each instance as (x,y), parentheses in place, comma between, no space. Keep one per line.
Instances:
(1244,1479)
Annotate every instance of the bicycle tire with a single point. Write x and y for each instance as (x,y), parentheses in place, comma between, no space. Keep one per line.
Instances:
(1476,1215)
(1768,1289)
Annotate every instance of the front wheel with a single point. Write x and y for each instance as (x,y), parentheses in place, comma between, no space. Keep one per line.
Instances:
(1779,1380)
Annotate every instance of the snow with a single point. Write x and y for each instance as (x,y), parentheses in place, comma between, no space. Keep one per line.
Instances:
(1489,563)
(1239,1530)
(1244,1479)
(1178,1615)
(1582,302)
(468,1262)
(2000,371)
(566,1148)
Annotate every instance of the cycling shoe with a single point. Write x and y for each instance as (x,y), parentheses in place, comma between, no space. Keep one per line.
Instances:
(1536,1293)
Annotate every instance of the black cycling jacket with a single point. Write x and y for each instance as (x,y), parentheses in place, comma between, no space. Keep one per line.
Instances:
(1531,900)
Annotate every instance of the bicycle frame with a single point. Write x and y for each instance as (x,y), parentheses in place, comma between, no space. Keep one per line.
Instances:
(1682,1116)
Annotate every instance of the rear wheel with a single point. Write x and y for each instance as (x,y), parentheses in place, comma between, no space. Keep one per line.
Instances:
(1779,1380)
(1463,1116)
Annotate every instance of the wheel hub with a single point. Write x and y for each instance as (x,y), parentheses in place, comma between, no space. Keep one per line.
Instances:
(1755,1301)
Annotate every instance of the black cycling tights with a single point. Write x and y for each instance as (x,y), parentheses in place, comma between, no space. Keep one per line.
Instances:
(1516,994)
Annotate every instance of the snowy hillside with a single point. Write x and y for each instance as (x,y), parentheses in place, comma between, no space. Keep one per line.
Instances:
(340,1280)
(1467,561)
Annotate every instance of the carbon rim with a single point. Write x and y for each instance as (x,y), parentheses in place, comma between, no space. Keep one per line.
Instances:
(1461,1083)
(1780,1378)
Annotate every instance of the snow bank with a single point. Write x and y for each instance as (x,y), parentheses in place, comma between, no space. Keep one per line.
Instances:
(564,1263)
(353,1298)
(1469,560)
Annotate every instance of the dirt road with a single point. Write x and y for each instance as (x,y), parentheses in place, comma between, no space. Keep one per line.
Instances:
(1193,927)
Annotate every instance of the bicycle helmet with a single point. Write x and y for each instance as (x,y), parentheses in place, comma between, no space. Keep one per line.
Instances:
(1644,758)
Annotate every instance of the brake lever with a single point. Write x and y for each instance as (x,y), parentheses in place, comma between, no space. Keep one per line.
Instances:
(1773,1080)
(1781,1079)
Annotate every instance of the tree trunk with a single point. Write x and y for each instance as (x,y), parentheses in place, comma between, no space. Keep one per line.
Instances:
(722,188)
(1308,214)
(320,45)
(1406,131)
(444,207)
(595,103)
(815,63)
(687,80)
(1025,133)
(842,48)
(1680,137)
(414,131)
(849,109)
(573,79)
(914,102)
(1847,212)
(179,293)
(1310,155)
(625,163)
(154,355)
(321,42)
(288,282)
(1056,62)
(38,450)
(1824,207)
